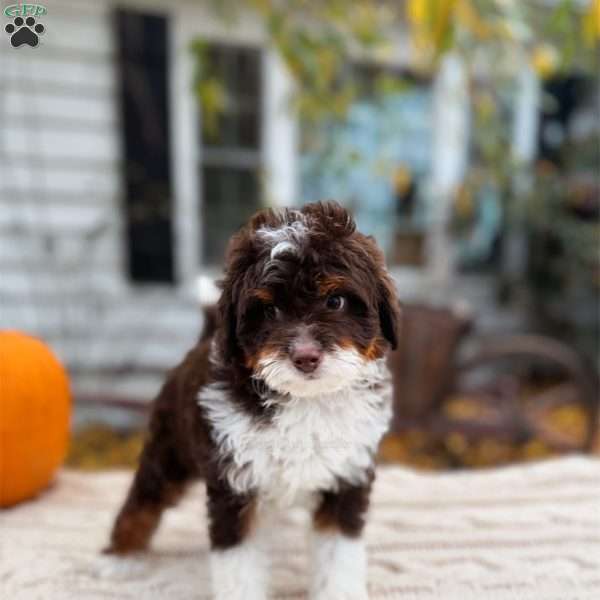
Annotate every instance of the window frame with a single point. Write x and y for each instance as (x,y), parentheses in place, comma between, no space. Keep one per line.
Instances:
(279,169)
(231,157)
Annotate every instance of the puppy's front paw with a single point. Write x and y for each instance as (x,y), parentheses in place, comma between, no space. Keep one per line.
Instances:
(339,584)
(338,568)
(239,573)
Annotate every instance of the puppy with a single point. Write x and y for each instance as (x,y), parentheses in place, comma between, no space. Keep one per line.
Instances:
(284,404)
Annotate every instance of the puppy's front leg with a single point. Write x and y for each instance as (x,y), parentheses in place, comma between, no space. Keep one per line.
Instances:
(338,557)
(238,560)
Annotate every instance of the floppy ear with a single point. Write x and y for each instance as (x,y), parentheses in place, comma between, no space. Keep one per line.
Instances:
(238,257)
(389,310)
(227,317)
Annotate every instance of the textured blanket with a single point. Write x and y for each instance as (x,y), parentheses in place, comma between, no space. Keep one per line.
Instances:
(526,532)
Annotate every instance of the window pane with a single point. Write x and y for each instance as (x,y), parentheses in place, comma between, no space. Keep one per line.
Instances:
(376,161)
(230,198)
(238,70)
(248,73)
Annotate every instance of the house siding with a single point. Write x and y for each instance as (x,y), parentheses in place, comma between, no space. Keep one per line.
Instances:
(62,271)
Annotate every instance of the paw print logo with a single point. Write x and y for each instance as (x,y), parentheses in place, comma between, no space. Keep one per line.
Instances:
(24,31)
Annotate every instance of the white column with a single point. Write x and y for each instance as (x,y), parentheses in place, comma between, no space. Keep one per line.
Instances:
(280,133)
(526,119)
(450,155)
(185,146)
(524,148)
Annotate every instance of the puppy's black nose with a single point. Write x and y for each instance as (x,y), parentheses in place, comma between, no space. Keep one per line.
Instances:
(306,357)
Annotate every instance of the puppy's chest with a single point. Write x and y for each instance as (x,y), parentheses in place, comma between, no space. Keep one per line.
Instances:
(309,444)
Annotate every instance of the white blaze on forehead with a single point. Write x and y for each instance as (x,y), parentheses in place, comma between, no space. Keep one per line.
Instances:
(288,238)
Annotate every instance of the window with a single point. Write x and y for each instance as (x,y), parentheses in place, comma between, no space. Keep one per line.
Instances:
(142,64)
(231,158)
(377,160)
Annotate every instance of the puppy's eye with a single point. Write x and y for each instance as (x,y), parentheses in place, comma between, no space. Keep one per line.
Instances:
(336,302)
(271,311)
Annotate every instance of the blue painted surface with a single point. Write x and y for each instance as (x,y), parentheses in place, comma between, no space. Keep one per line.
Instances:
(356,161)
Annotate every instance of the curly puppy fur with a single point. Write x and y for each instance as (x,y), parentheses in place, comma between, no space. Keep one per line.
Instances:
(282,402)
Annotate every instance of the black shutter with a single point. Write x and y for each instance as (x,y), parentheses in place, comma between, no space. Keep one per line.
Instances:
(142,66)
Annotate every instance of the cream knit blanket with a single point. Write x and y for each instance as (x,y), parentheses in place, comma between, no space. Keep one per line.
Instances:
(524,533)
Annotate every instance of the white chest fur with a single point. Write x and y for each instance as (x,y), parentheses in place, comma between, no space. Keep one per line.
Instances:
(309,443)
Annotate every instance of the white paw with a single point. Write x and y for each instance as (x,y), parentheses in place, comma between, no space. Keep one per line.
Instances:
(240,573)
(339,568)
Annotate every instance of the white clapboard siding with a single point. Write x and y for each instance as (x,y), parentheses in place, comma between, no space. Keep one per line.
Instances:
(62,249)
(100,320)
(151,347)
(25,250)
(58,180)
(76,8)
(41,69)
(13,247)
(168,312)
(135,386)
(48,319)
(78,31)
(18,140)
(40,105)
(37,262)
(25,266)
(41,195)
(103,335)
(48,315)
(68,218)
(54,282)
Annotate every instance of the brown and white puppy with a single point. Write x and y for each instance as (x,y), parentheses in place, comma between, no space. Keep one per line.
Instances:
(284,405)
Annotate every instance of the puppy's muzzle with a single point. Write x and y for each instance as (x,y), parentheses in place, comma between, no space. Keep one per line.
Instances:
(306,355)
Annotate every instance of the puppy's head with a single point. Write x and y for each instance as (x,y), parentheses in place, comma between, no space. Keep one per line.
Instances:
(307,304)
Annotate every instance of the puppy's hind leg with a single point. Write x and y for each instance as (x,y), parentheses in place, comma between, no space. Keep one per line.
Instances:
(159,482)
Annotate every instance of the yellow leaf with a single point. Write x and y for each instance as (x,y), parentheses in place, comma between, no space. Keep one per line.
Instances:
(416,11)
(457,443)
(470,19)
(443,21)
(545,60)
(591,23)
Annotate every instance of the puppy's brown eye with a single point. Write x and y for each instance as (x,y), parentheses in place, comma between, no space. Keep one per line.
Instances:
(271,311)
(336,302)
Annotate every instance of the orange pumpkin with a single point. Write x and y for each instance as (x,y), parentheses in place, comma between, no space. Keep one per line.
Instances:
(34,416)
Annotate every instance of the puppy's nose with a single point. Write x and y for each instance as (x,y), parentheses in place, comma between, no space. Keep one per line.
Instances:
(306,357)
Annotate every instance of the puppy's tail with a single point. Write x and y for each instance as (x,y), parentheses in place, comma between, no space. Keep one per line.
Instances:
(210,322)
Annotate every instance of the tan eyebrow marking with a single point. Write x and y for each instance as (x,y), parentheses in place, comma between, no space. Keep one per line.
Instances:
(262,294)
(330,284)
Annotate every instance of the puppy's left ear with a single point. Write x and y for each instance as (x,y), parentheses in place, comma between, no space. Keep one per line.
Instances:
(227,333)
(389,310)
(237,261)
